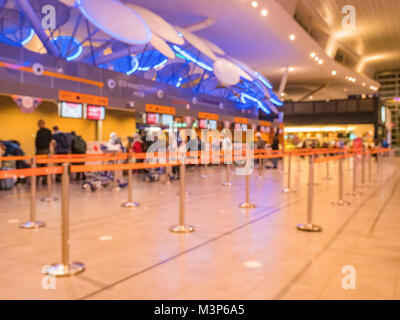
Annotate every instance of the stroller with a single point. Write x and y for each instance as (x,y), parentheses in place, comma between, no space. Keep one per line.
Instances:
(153,174)
(97,181)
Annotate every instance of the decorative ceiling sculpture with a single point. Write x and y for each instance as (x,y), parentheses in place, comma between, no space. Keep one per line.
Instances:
(135,41)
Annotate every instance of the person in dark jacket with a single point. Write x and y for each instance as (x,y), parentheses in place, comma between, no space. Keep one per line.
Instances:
(42,143)
(275,147)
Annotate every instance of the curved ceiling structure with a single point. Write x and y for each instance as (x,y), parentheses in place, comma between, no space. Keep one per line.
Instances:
(134,40)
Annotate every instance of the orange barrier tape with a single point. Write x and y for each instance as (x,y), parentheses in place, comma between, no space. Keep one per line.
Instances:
(22,173)
(119,167)
(11,158)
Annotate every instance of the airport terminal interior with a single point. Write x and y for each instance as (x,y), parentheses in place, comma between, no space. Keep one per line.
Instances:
(199,150)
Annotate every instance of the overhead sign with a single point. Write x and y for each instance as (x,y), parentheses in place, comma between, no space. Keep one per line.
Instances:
(160,109)
(82,98)
(208,116)
(241,120)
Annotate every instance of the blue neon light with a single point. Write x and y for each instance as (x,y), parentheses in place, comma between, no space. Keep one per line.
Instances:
(179,83)
(260,105)
(135,66)
(277,103)
(189,57)
(28,38)
(63,42)
(264,81)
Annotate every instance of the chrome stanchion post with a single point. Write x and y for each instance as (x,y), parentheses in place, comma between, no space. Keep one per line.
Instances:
(260,169)
(32,223)
(130,203)
(355,166)
(228,182)
(328,177)
(247,204)
(182,227)
(65,268)
(49,197)
(369,167)
(288,188)
(363,167)
(309,226)
(299,164)
(116,187)
(341,201)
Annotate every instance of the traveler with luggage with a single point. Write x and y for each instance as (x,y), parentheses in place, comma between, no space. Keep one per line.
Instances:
(61,144)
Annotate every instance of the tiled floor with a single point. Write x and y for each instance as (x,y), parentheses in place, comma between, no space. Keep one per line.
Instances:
(233,254)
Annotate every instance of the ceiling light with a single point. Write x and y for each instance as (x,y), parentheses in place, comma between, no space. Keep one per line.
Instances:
(282,94)
(316,58)
(292,37)
(312,55)
(334,72)
(291,69)
(311,97)
(364,84)
(320,61)
(373,88)
(254,4)
(264,12)
(354,80)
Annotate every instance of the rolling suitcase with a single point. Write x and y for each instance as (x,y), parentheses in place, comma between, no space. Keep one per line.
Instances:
(7,184)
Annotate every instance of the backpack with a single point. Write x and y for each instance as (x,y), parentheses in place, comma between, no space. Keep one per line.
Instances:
(79,145)
(64,145)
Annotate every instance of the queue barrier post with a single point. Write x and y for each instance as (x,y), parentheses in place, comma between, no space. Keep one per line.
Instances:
(49,197)
(247,204)
(130,203)
(116,187)
(309,226)
(33,223)
(355,176)
(341,201)
(299,164)
(328,176)
(369,167)
(363,167)
(228,182)
(182,227)
(260,168)
(288,188)
(65,268)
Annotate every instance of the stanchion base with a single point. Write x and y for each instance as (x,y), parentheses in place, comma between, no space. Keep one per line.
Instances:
(259,177)
(60,270)
(130,204)
(33,225)
(246,205)
(49,199)
(288,190)
(205,176)
(227,184)
(341,203)
(116,189)
(182,229)
(309,228)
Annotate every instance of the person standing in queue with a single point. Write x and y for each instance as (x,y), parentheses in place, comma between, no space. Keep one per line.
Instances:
(42,144)
(60,145)
(78,147)
(275,147)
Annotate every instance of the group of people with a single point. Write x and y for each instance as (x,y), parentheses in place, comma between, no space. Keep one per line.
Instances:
(260,144)
(47,142)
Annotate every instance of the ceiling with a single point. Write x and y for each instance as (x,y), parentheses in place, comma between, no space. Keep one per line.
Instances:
(376,35)
(263,42)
